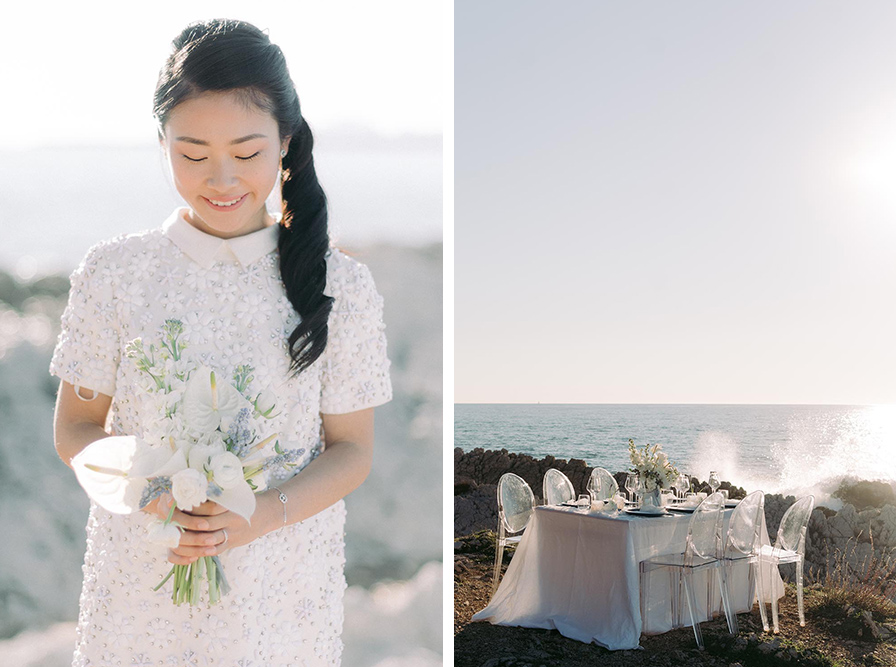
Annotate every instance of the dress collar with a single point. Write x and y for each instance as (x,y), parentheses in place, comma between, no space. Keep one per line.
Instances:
(205,249)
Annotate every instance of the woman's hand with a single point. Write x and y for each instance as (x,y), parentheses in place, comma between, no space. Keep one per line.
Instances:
(204,530)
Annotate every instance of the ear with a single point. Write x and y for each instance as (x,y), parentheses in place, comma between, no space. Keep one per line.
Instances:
(284,145)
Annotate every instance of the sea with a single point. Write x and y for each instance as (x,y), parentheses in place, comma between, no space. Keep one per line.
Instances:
(790,449)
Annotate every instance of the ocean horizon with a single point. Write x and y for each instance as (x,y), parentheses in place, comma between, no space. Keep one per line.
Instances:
(778,448)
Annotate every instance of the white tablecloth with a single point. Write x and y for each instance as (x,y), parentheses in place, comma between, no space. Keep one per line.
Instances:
(578,573)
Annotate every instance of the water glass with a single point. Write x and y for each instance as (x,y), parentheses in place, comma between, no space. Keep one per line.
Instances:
(714,481)
(584,501)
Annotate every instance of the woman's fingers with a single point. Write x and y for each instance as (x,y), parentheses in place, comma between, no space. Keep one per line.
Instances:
(208,508)
(195,545)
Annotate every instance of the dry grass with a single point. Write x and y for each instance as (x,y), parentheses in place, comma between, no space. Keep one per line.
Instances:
(864,584)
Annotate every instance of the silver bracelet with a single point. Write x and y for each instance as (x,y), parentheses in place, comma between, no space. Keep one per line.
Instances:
(282,497)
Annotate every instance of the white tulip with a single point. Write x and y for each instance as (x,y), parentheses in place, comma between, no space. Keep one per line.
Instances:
(260,481)
(189,488)
(265,402)
(167,535)
(227,470)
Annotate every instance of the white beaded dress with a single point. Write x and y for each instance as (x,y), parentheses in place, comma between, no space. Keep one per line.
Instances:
(285,606)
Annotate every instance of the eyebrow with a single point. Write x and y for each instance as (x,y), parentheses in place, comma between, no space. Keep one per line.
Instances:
(241,140)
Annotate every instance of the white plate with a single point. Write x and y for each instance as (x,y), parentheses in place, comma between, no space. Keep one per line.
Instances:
(661,512)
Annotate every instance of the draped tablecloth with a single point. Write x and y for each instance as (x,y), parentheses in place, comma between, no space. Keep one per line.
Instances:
(577,572)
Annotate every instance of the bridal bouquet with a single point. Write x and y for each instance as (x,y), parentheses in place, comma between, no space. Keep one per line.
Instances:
(203,441)
(652,465)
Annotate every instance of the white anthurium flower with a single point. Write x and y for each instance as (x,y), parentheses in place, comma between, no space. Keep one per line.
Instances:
(239,499)
(158,462)
(103,469)
(200,454)
(227,470)
(189,488)
(166,535)
(210,401)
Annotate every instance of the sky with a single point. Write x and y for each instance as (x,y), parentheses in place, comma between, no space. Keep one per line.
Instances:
(84,72)
(675,203)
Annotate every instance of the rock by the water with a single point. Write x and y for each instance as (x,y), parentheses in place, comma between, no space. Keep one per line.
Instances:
(864,494)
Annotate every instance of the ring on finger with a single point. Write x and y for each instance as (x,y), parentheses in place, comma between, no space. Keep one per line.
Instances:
(225,538)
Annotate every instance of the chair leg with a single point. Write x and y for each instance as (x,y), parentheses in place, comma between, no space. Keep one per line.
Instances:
(675,577)
(730,616)
(643,593)
(499,556)
(760,594)
(799,592)
(692,607)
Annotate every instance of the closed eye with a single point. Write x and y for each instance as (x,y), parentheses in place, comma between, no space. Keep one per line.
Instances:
(194,159)
(254,155)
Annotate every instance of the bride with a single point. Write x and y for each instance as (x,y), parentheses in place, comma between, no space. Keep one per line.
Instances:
(250,289)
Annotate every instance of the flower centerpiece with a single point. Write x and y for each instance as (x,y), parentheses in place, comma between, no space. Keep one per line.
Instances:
(203,440)
(654,469)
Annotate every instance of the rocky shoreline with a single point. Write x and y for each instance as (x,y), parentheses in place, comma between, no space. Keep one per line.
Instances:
(864,527)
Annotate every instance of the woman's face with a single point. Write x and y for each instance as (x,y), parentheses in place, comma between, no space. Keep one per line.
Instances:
(224,155)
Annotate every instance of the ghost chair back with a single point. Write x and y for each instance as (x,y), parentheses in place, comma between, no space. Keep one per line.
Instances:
(516,503)
(557,488)
(602,485)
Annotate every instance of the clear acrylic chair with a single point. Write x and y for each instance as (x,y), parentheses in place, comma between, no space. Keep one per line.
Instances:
(602,485)
(515,505)
(702,551)
(790,547)
(742,544)
(557,488)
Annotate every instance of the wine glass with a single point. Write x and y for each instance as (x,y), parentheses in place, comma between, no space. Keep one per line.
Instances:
(714,481)
(631,483)
(682,485)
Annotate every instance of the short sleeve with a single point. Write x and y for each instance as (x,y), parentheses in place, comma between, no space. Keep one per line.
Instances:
(355,366)
(88,349)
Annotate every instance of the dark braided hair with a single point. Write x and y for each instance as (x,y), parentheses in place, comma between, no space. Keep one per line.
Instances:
(222,55)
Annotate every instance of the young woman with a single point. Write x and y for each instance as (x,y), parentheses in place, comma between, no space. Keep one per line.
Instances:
(249,290)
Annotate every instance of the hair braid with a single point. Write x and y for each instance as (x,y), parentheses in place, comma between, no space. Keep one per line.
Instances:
(304,243)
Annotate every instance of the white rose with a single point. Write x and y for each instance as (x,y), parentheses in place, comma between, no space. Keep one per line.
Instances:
(167,535)
(227,470)
(189,488)
(202,452)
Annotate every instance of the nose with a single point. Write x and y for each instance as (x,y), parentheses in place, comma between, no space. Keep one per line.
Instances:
(221,176)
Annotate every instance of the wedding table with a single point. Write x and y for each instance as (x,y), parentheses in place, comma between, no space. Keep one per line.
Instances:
(577,572)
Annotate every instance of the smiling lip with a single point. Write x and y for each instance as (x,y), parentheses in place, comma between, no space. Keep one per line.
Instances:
(230,207)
